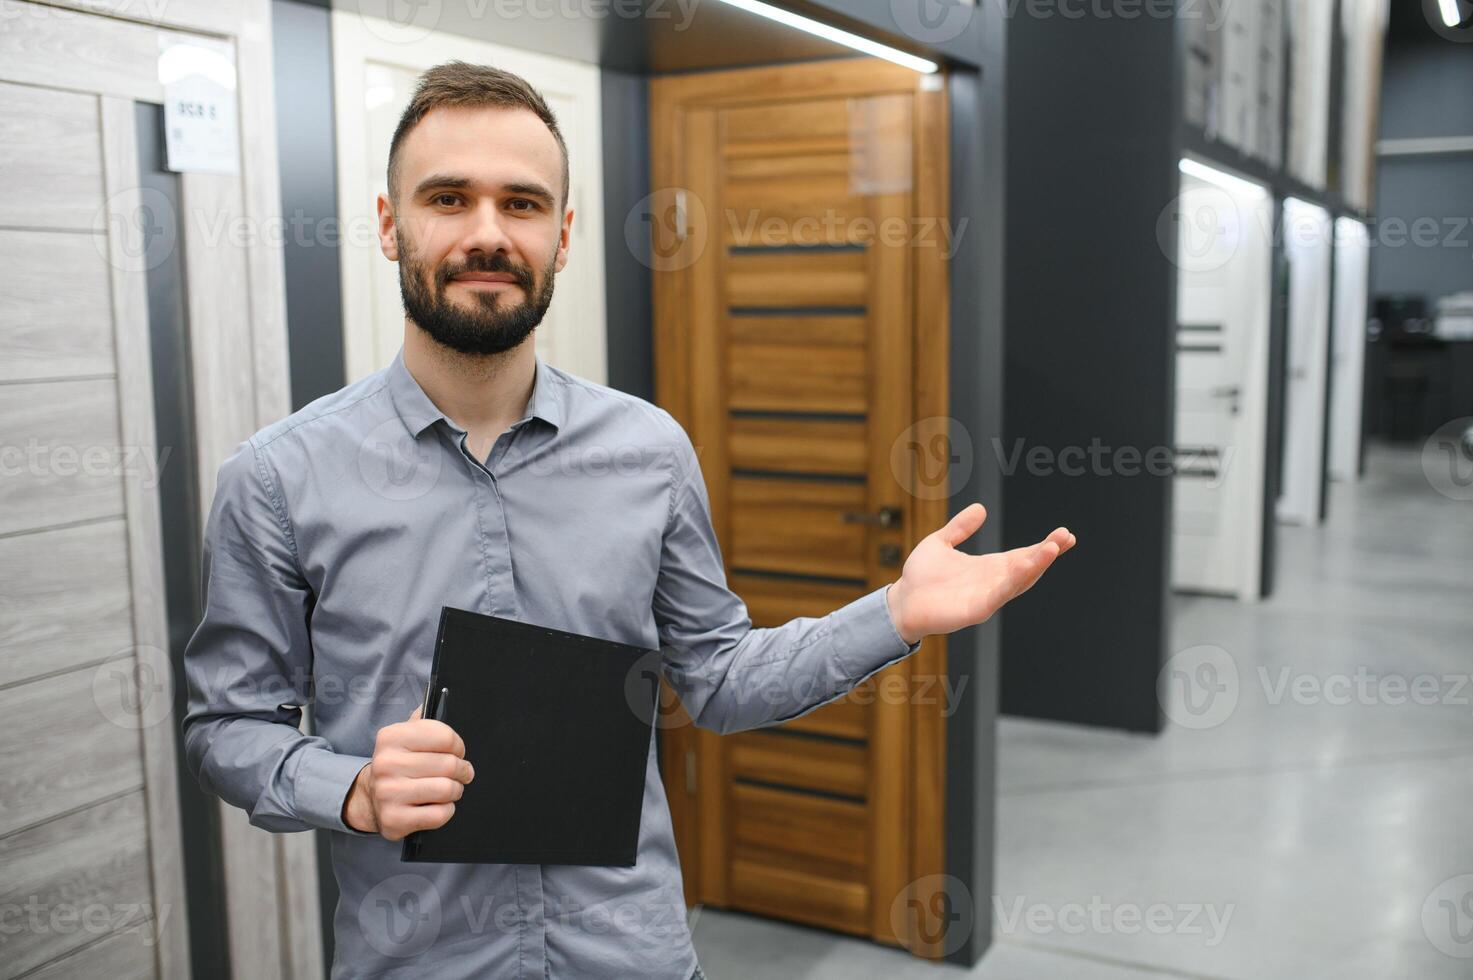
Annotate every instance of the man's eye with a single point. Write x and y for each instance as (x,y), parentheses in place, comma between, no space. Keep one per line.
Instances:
(452,198)
(522,204)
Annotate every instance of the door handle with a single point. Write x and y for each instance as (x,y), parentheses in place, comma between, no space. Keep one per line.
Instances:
(884,517)
(1230,392)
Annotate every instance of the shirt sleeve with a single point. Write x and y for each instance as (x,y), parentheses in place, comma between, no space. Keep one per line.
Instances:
(729,675)
(248,666)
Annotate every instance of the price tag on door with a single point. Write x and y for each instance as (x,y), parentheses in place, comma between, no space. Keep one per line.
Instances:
(201,134)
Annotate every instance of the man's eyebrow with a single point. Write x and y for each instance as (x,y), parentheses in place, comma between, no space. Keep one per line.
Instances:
(532,190)
(456,182)
(442,180)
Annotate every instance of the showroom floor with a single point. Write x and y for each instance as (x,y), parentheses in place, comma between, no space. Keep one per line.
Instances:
(1311,820)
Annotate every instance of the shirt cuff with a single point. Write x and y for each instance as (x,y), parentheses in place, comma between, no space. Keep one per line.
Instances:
(865,637)
(322,787)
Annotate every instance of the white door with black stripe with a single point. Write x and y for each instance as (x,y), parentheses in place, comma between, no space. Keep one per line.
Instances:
(1224,254)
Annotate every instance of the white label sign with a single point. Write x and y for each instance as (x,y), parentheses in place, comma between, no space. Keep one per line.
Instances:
(200,131)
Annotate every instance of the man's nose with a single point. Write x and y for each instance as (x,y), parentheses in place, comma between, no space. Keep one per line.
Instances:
(486,230)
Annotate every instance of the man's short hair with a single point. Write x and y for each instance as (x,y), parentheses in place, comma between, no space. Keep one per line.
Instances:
(459,83)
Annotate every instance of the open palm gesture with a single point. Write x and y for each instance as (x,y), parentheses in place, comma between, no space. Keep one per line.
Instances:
(942,589)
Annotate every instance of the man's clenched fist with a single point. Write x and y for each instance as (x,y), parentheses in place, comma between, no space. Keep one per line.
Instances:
(417,773)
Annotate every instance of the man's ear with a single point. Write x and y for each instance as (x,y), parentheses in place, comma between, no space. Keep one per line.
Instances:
(387,242)
(565,240)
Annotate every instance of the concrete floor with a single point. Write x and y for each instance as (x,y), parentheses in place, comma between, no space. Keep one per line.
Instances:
(1312,821)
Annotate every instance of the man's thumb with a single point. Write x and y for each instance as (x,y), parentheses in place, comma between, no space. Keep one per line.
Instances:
(418,712)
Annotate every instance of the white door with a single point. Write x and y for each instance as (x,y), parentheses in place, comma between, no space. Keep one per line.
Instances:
(1307,245)
(375,65)
(1347,358)
(1223,301)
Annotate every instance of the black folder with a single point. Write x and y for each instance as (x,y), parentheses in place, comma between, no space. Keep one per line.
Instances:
(558,727)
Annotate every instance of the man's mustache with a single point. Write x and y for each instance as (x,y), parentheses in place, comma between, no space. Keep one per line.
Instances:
(496,263)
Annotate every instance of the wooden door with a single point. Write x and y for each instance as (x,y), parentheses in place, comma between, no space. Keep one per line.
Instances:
(89,825)
(799,242)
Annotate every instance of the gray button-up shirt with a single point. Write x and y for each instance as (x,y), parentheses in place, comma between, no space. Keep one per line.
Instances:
(335,537)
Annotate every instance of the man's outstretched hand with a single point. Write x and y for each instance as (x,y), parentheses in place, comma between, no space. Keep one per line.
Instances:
(942,589)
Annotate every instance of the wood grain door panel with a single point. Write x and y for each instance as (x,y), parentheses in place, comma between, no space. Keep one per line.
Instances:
(798,335)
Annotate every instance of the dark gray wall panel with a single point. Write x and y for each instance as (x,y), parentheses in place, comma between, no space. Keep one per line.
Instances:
(1091,292)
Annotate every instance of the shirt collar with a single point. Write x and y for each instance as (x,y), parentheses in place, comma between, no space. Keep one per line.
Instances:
(418,413)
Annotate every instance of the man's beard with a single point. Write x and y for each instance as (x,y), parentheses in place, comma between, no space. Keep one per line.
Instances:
(490,328)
